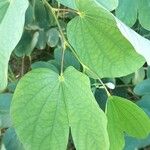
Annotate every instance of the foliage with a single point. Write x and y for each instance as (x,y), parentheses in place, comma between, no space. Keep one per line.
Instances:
(74,76)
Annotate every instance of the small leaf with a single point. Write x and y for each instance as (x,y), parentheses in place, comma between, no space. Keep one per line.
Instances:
(11,140)
(139,76)
(12,22)
(52,37)
(143,87)
(125,116)
(43,112)
(41,44)
(5,120)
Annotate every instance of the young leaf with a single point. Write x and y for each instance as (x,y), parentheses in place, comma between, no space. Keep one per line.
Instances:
(100,44)
(11,28)
(125,116)
(44,111)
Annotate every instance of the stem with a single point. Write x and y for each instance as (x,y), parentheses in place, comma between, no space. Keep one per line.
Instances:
(99,79)
(65,10)
(22,66)
(12,76)
(63,39)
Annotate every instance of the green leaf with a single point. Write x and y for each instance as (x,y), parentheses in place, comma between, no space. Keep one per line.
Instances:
(52,37)
(11,28)
(135,144)
(125,116)
(5,120)
(68,3)
(43,112)
(43,64)
(143,87)
(139,76)
(109,4)
(41,44)
(148,72)
(26,44)
(11,140)
(3,8)
(128,11)
(99,43)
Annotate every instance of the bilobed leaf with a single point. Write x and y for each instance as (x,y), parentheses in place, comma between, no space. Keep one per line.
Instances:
(99,43)
(129,11)
(43,112)
(125,116)
(11,28)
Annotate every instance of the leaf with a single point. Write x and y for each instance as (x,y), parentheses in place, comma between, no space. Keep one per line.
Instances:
(128,11)
(143,87)
(109,4)
(140,44)
(5,120)
(139,76)
(133,144)
(125,116)
(43,112)
(11,140)
(43,64)
(26,44)
(148,72)
(41,44)
(3,8)
(11,28)
(52,37)
(68,3)
(99,43)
